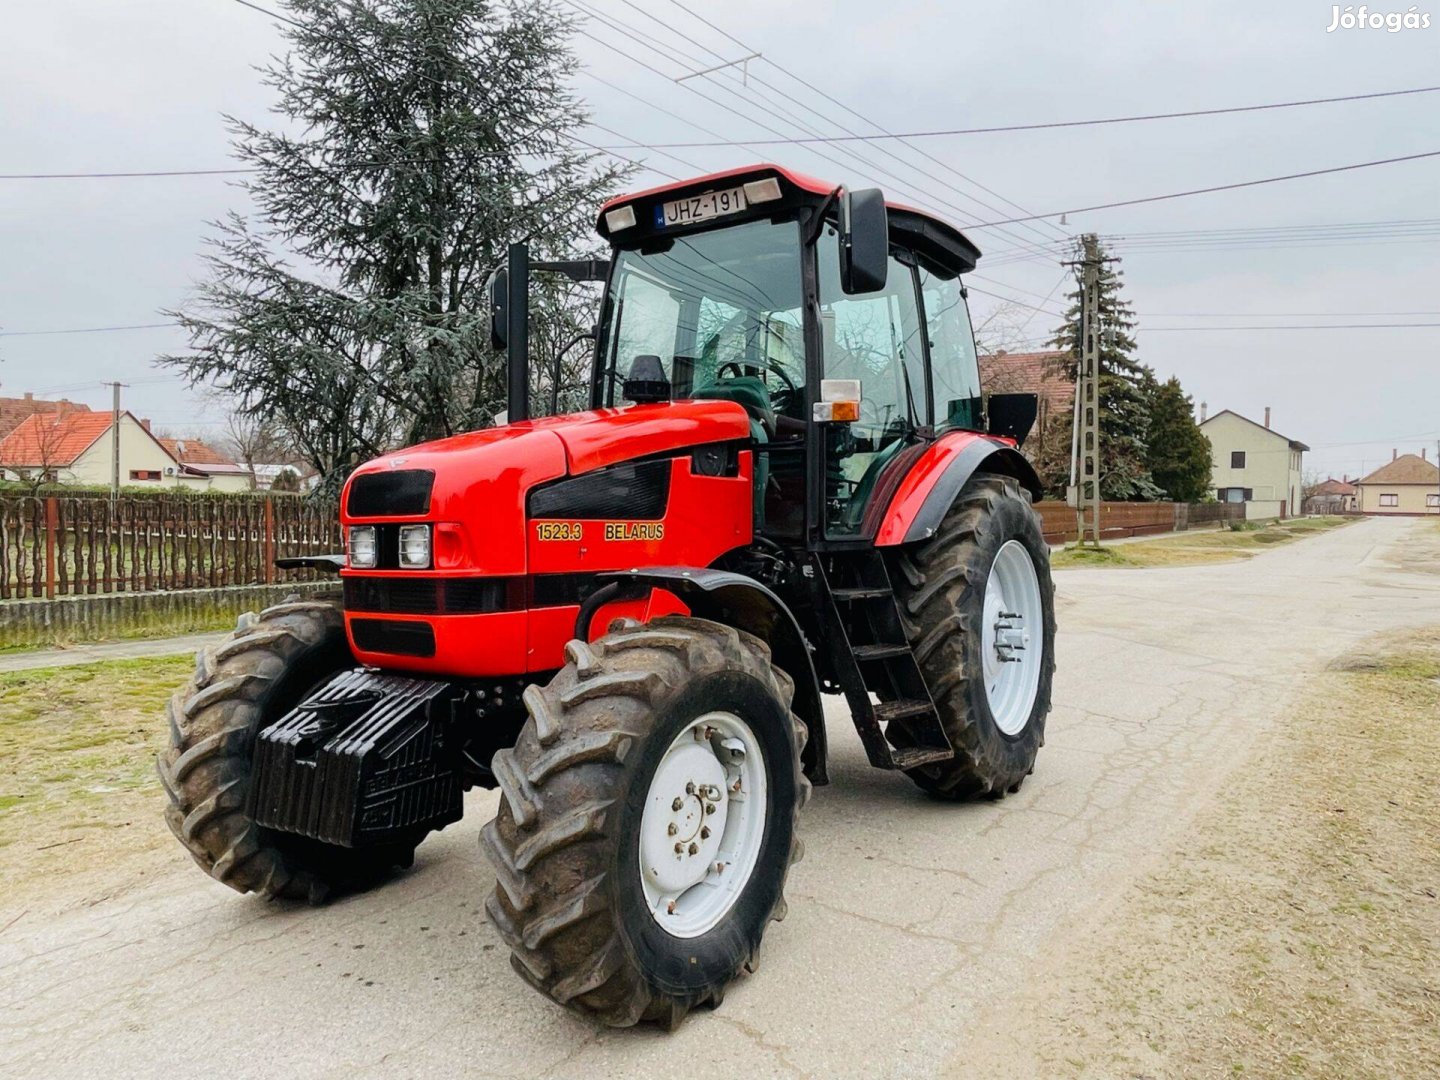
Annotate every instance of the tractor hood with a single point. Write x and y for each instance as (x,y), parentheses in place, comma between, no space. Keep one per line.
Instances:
(481,478)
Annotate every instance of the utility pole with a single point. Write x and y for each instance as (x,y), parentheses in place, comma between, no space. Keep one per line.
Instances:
(115,442)
(1085,443)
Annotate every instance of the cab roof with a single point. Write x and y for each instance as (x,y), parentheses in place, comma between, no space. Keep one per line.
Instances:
(930,236)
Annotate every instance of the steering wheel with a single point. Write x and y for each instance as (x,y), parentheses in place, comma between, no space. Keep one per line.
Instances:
(782,399)
(769,365)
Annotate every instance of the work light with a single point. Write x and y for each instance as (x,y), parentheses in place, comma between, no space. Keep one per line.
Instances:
(415,546)
(362,546)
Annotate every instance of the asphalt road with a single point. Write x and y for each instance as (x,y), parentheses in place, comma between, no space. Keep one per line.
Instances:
(906,917)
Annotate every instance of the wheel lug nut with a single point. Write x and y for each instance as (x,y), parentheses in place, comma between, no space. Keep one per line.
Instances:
(679,849)
(705,833)
(709,808)
(690,788)
(694,849)
(677,804)
(672,828)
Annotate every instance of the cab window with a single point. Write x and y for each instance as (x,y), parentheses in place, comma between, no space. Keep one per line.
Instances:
(954,370)
(875,338)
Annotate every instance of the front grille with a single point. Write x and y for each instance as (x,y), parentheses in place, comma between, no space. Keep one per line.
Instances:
(390,494)
(394,637)
(434,596)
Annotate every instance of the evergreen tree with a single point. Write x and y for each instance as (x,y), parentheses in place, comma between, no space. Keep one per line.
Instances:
(1178,453)
(416,139)
(1124,391)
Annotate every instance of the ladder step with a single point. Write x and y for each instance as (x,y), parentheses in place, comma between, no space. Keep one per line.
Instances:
(912,756)
(860,594)
(880,652)
(899,710)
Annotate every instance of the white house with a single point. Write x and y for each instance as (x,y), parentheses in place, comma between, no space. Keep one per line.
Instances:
(1255,465)
(78,447)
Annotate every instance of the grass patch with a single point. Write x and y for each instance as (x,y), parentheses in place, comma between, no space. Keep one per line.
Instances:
(1195,548)
(79,747)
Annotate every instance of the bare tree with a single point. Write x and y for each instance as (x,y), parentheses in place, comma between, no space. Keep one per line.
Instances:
(251,440)
(1005,329)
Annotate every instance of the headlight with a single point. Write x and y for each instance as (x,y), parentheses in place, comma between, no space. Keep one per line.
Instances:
(362,546)
(415,546)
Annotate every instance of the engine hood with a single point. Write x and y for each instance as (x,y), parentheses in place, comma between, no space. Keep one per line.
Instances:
(482,477)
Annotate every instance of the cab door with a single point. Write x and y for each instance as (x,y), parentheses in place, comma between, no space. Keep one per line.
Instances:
(876,338)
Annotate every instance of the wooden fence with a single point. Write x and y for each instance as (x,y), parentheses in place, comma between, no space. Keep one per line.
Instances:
(84,545)
(1119,519)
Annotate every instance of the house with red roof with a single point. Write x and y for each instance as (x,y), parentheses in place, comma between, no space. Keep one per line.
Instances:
(14,411)
(78,447)
(1040,373)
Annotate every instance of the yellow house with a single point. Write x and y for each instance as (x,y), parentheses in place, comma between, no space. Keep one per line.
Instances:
(1407,484)
(79,448)
(1255,465)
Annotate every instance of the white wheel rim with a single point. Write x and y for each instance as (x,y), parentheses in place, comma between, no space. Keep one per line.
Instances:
(703,824)
(1012,637)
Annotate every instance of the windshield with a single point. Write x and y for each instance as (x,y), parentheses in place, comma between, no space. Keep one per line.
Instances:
(718,308)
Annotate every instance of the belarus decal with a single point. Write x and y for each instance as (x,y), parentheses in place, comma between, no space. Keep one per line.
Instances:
(634,530)
(559,530)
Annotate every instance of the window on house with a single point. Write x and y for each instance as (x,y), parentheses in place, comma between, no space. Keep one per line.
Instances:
(1389,500)
(144,474)
(1432,500)
(1237,459)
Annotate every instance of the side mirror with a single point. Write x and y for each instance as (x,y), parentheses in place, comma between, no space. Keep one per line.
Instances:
(864,241)
(499,288)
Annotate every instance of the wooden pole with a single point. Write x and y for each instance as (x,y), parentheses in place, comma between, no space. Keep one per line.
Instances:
(52,522)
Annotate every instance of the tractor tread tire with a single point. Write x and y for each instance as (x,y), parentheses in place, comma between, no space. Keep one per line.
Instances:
(937,585)
(205,771)
(560,784)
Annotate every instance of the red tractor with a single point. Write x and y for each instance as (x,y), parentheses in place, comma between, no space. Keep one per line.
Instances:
(626,618)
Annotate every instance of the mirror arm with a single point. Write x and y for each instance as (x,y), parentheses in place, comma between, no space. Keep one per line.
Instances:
(817,223)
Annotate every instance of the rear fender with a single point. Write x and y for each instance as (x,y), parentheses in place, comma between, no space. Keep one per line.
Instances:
(934,480)
(746,604)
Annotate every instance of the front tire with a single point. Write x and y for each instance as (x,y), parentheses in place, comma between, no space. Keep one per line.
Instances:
(241,685)
(990,675)
(609,885)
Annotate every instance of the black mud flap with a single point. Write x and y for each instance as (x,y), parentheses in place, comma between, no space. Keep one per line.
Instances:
(367,758)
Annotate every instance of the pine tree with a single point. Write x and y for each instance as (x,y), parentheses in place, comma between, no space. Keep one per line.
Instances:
(1178,452)
(1124,391)
(416,139)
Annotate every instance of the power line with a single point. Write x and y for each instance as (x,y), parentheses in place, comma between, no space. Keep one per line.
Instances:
(864,119)
(85,329)
(1296,326)
(1218,187)
(1041,126)
(678,56)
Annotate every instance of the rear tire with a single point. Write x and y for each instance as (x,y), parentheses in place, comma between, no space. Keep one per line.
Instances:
(941,585)
(567,845)
(240,685)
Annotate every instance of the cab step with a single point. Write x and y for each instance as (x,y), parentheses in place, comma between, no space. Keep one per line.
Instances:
(874,660)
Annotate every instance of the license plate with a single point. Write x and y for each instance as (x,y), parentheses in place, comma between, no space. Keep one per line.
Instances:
(712,204)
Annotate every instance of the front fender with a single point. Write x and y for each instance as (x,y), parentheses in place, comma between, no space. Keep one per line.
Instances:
(934,479)
(746,604)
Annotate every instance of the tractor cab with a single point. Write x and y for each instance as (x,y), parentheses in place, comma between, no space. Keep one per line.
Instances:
(838,322)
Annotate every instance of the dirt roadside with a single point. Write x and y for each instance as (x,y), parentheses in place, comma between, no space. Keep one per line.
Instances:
(1295,932)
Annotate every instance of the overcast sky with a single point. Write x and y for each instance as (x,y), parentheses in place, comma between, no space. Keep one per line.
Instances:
(87,86)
